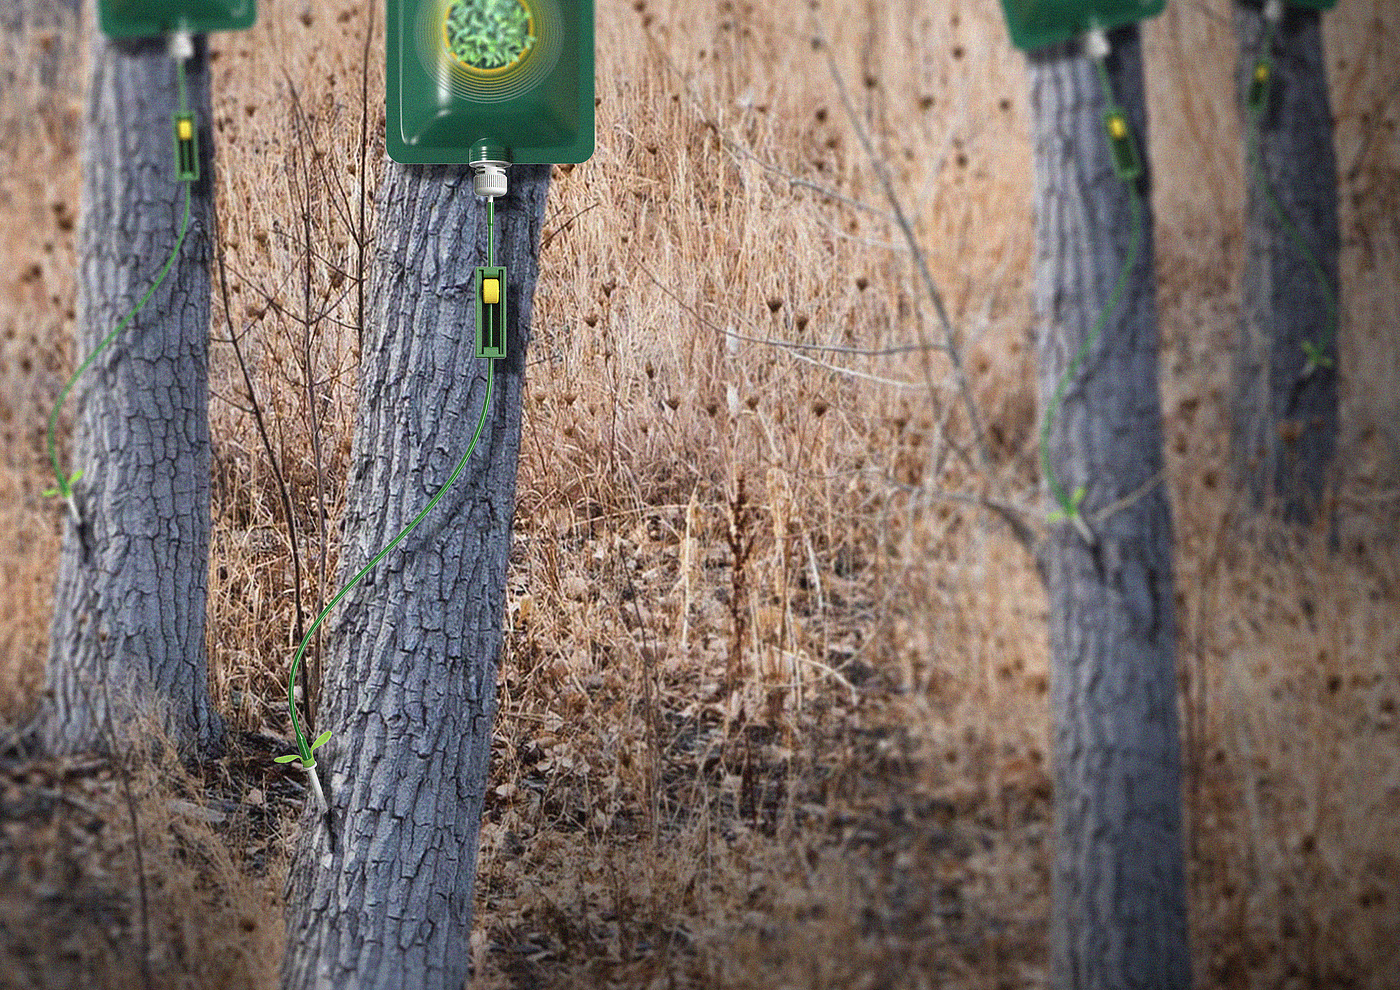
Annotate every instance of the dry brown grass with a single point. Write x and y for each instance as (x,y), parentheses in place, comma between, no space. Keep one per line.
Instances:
(869,806)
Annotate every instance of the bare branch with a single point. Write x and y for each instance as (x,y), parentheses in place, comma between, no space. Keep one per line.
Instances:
(950,342)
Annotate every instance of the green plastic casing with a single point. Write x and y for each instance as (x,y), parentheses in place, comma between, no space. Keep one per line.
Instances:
(1126,163)
(439,109)
(186,148)
(1038,23)
(490,317)
(141,18)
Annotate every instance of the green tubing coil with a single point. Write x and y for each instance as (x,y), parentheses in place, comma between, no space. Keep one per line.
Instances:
(1315,352)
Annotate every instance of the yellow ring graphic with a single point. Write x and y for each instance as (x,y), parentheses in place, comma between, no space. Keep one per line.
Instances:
(508,82)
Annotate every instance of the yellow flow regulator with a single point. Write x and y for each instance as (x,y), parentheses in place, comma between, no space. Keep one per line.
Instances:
(186,148)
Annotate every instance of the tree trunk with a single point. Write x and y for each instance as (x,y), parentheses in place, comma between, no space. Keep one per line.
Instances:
(384,897)
(129,601)
(1119,898)
(1285,405)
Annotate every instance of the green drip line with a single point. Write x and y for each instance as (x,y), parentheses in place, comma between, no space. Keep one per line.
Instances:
(1315,352)
(1105,84)
(65,482)
(305,750)
(184,103)
(1069,505)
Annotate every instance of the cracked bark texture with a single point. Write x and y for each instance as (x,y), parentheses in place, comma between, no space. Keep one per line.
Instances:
(410,682)
(129,601)
(1119,898)
(1284,432)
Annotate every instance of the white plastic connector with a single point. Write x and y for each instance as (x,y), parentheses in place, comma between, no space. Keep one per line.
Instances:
(316,788)
(1273,11)
(490,180)
(1096,43)
(180,44)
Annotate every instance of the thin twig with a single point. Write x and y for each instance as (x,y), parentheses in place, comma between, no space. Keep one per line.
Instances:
(735,148)
(792,347)
(1016,517)
(650,688)
(124,771)
(877,379)
(950,343)
(311,671)
(1129,499)
(556,231)
(256,407)
(361,234)
(230,402)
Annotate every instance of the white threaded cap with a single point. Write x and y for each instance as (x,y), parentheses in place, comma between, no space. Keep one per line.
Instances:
(181,46)
(1096,43)
(490,180)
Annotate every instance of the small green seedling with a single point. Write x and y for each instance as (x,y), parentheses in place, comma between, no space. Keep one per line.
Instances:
(1067,515)
(1074,517)
(1315,357)
(64,486)
(308,761)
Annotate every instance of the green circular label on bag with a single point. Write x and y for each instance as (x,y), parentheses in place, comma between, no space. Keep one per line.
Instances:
(488,36)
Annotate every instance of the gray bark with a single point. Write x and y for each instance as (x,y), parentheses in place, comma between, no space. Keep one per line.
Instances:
(382,895)
(1285,412)
(129,603)
(1119,896)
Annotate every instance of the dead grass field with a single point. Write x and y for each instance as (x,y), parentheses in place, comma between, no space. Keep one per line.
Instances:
(869,808)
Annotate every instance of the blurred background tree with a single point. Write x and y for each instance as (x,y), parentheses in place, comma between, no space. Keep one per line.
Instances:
(1285,359)
(129,604)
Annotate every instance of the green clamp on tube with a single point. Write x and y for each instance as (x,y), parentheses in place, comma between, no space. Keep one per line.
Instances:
(1126,163)
(1259,86)
(490,312)
(186,148)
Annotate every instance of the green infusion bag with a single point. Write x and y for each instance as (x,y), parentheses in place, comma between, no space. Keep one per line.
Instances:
(489,80)
(142,18)
(1038,23)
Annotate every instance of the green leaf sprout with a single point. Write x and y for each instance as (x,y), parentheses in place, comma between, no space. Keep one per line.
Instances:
(307,760)
(1315,357)
(64,487)
(1070,513)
